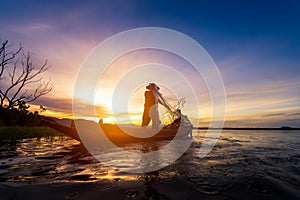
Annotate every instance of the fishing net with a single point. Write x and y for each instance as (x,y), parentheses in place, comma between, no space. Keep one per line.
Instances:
(173,112)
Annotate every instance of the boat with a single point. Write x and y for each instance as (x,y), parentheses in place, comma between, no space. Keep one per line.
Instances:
(180,127)
(124,134)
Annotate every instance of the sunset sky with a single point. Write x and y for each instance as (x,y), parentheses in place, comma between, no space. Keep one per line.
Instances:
(255,45)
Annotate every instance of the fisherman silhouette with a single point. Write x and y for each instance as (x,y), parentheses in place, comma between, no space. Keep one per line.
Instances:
(151,106)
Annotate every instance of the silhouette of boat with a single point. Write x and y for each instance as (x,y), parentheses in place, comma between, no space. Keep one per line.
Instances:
(124,134)
(181,127)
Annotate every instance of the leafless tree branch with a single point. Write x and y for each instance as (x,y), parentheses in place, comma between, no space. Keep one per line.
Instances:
(24,77)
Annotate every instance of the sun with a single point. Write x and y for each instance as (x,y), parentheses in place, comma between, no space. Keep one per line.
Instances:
(103,97)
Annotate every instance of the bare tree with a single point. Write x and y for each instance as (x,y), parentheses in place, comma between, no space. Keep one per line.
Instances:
(20,79)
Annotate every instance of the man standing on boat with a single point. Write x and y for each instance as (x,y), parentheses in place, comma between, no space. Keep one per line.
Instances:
(151,106)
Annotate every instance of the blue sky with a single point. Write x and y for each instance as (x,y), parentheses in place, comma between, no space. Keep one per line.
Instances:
(255,44)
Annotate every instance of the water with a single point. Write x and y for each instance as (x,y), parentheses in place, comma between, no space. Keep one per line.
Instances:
(254,164)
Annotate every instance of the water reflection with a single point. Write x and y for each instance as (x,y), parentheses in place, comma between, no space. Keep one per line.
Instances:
(60,158)
(247,160)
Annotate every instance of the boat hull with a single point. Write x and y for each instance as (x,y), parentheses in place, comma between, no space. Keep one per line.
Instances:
(117,135)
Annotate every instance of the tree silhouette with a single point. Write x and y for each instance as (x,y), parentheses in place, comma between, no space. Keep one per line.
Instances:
(21,80)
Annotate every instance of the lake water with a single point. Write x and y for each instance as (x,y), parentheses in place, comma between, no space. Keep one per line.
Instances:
(243,165)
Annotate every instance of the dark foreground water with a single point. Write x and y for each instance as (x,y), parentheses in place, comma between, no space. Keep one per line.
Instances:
(243,165)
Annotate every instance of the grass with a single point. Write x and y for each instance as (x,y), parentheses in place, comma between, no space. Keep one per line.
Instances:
(19,132)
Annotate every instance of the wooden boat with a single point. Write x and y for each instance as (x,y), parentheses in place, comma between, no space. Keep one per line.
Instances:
(181,127)
(118,134)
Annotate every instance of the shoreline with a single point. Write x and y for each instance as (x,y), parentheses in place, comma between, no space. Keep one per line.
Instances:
(231,128)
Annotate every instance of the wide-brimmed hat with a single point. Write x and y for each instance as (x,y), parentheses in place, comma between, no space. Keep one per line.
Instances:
(151,86)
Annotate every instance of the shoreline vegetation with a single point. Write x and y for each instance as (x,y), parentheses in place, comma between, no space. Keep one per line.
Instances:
(20,132)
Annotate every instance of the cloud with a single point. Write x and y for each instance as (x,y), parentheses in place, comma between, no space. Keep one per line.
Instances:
(281,114)
(294,120)
(294,114)
(274,114)
(64,105)
(32,28)
(58,104)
